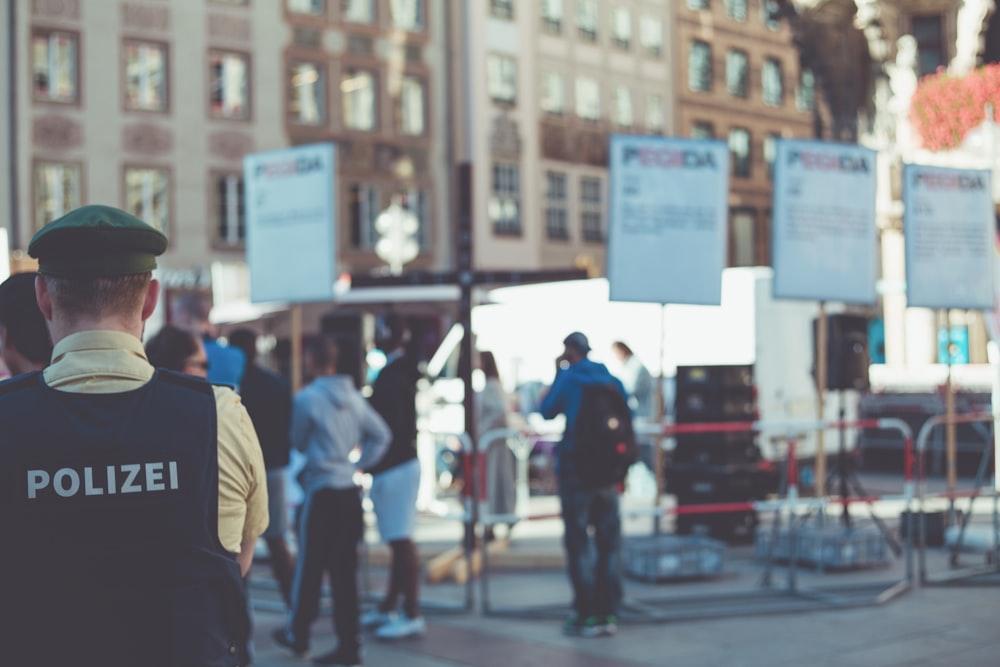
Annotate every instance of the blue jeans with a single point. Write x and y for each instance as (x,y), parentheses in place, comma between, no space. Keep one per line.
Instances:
(594,572)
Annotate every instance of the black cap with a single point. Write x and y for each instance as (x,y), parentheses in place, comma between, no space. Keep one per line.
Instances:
(96,242)
(578,342)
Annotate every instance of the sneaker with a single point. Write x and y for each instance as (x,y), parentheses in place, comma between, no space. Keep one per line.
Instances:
(298,648)
(338,659)
(581,627)
(608,625)
(402,626)
(375,618)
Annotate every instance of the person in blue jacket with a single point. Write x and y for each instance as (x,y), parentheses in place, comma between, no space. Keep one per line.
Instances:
(596,581)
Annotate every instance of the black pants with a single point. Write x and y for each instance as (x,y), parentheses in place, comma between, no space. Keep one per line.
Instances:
(330,527)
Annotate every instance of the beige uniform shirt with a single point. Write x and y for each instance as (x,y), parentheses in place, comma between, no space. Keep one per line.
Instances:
(105,362)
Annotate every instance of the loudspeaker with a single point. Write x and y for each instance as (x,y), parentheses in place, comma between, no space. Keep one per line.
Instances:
(847,357)
(354,333)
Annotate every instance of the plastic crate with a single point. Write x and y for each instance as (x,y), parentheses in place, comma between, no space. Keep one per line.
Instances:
(671,557)
(831,547)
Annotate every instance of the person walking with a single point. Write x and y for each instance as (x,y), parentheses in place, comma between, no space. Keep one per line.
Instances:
(134,495)
(395,483)
(24,339)
(330,418)
(596,582)
(268,398)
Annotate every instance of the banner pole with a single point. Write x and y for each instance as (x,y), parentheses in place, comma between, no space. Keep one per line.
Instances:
(821,373)
(659,414)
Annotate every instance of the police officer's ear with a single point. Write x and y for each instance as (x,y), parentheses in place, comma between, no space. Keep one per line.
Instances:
(43,298)
(152,297)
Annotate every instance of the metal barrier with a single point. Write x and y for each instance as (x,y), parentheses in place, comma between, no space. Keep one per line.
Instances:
(957,573)
(767,600)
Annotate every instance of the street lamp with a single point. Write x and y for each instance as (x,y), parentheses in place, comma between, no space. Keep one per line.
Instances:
(396,227)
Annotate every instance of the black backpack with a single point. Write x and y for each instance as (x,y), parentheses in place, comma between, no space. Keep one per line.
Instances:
(604,444)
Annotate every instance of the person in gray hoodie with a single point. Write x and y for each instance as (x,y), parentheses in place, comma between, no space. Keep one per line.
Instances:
(329,419)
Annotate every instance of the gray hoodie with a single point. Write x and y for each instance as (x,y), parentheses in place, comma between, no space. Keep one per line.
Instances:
(329,418)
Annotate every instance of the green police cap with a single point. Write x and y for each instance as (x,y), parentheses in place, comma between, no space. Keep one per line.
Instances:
(96,242)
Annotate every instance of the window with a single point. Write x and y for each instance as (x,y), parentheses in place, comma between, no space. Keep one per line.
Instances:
(229,82)
(651,36)
(930,44)
(411,118)
(505,202)
(358,11)
(805,96)
(624,115)
(310,7)
(145,76)
(702,130)
(362,209)
(307,102)
(739,152)
(621,28)
(556,215)
(770,14)
(700,66)
(588,99)
(655,121)
(54,58)
(736,9)
(358,93)
(770,150)
(591,211)
(230,218)
(502,9)
(147,194)
(552,15)
(586,20)
(743,238)
(501,78)
(553,93)
(57,190)
(407,14)
(771,82)
(736,73)
(697,4)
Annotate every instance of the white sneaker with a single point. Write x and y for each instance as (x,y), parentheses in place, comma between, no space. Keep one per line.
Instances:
(402,626)
(374,618)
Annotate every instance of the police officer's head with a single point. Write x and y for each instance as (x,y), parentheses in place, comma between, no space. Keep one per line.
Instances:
(24,338)
(96,266)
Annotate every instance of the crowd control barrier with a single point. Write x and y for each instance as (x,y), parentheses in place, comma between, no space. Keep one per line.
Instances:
(955,572)
(767,598)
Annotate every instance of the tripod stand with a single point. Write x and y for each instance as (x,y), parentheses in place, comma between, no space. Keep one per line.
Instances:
(844,473)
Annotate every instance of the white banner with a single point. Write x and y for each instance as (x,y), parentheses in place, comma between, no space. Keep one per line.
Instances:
(824,234)
(948,220)
(291,221)
(668,221)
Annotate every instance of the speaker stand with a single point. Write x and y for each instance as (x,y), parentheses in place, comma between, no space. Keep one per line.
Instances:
(847,476)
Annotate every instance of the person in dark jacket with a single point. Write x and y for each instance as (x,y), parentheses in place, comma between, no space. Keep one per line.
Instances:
(268,398)
(134,495)
(395,482)
(597,582)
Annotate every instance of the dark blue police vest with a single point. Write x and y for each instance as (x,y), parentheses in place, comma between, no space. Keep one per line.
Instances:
(109,511)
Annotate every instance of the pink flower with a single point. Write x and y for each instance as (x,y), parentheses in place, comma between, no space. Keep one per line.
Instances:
(944,108)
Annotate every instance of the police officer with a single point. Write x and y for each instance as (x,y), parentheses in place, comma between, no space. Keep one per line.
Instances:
(131,497)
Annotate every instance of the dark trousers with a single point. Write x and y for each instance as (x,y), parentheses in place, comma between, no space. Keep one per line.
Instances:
(330,527)
(594,570)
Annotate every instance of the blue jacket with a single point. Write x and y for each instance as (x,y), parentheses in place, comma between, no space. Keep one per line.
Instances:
(564,398)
